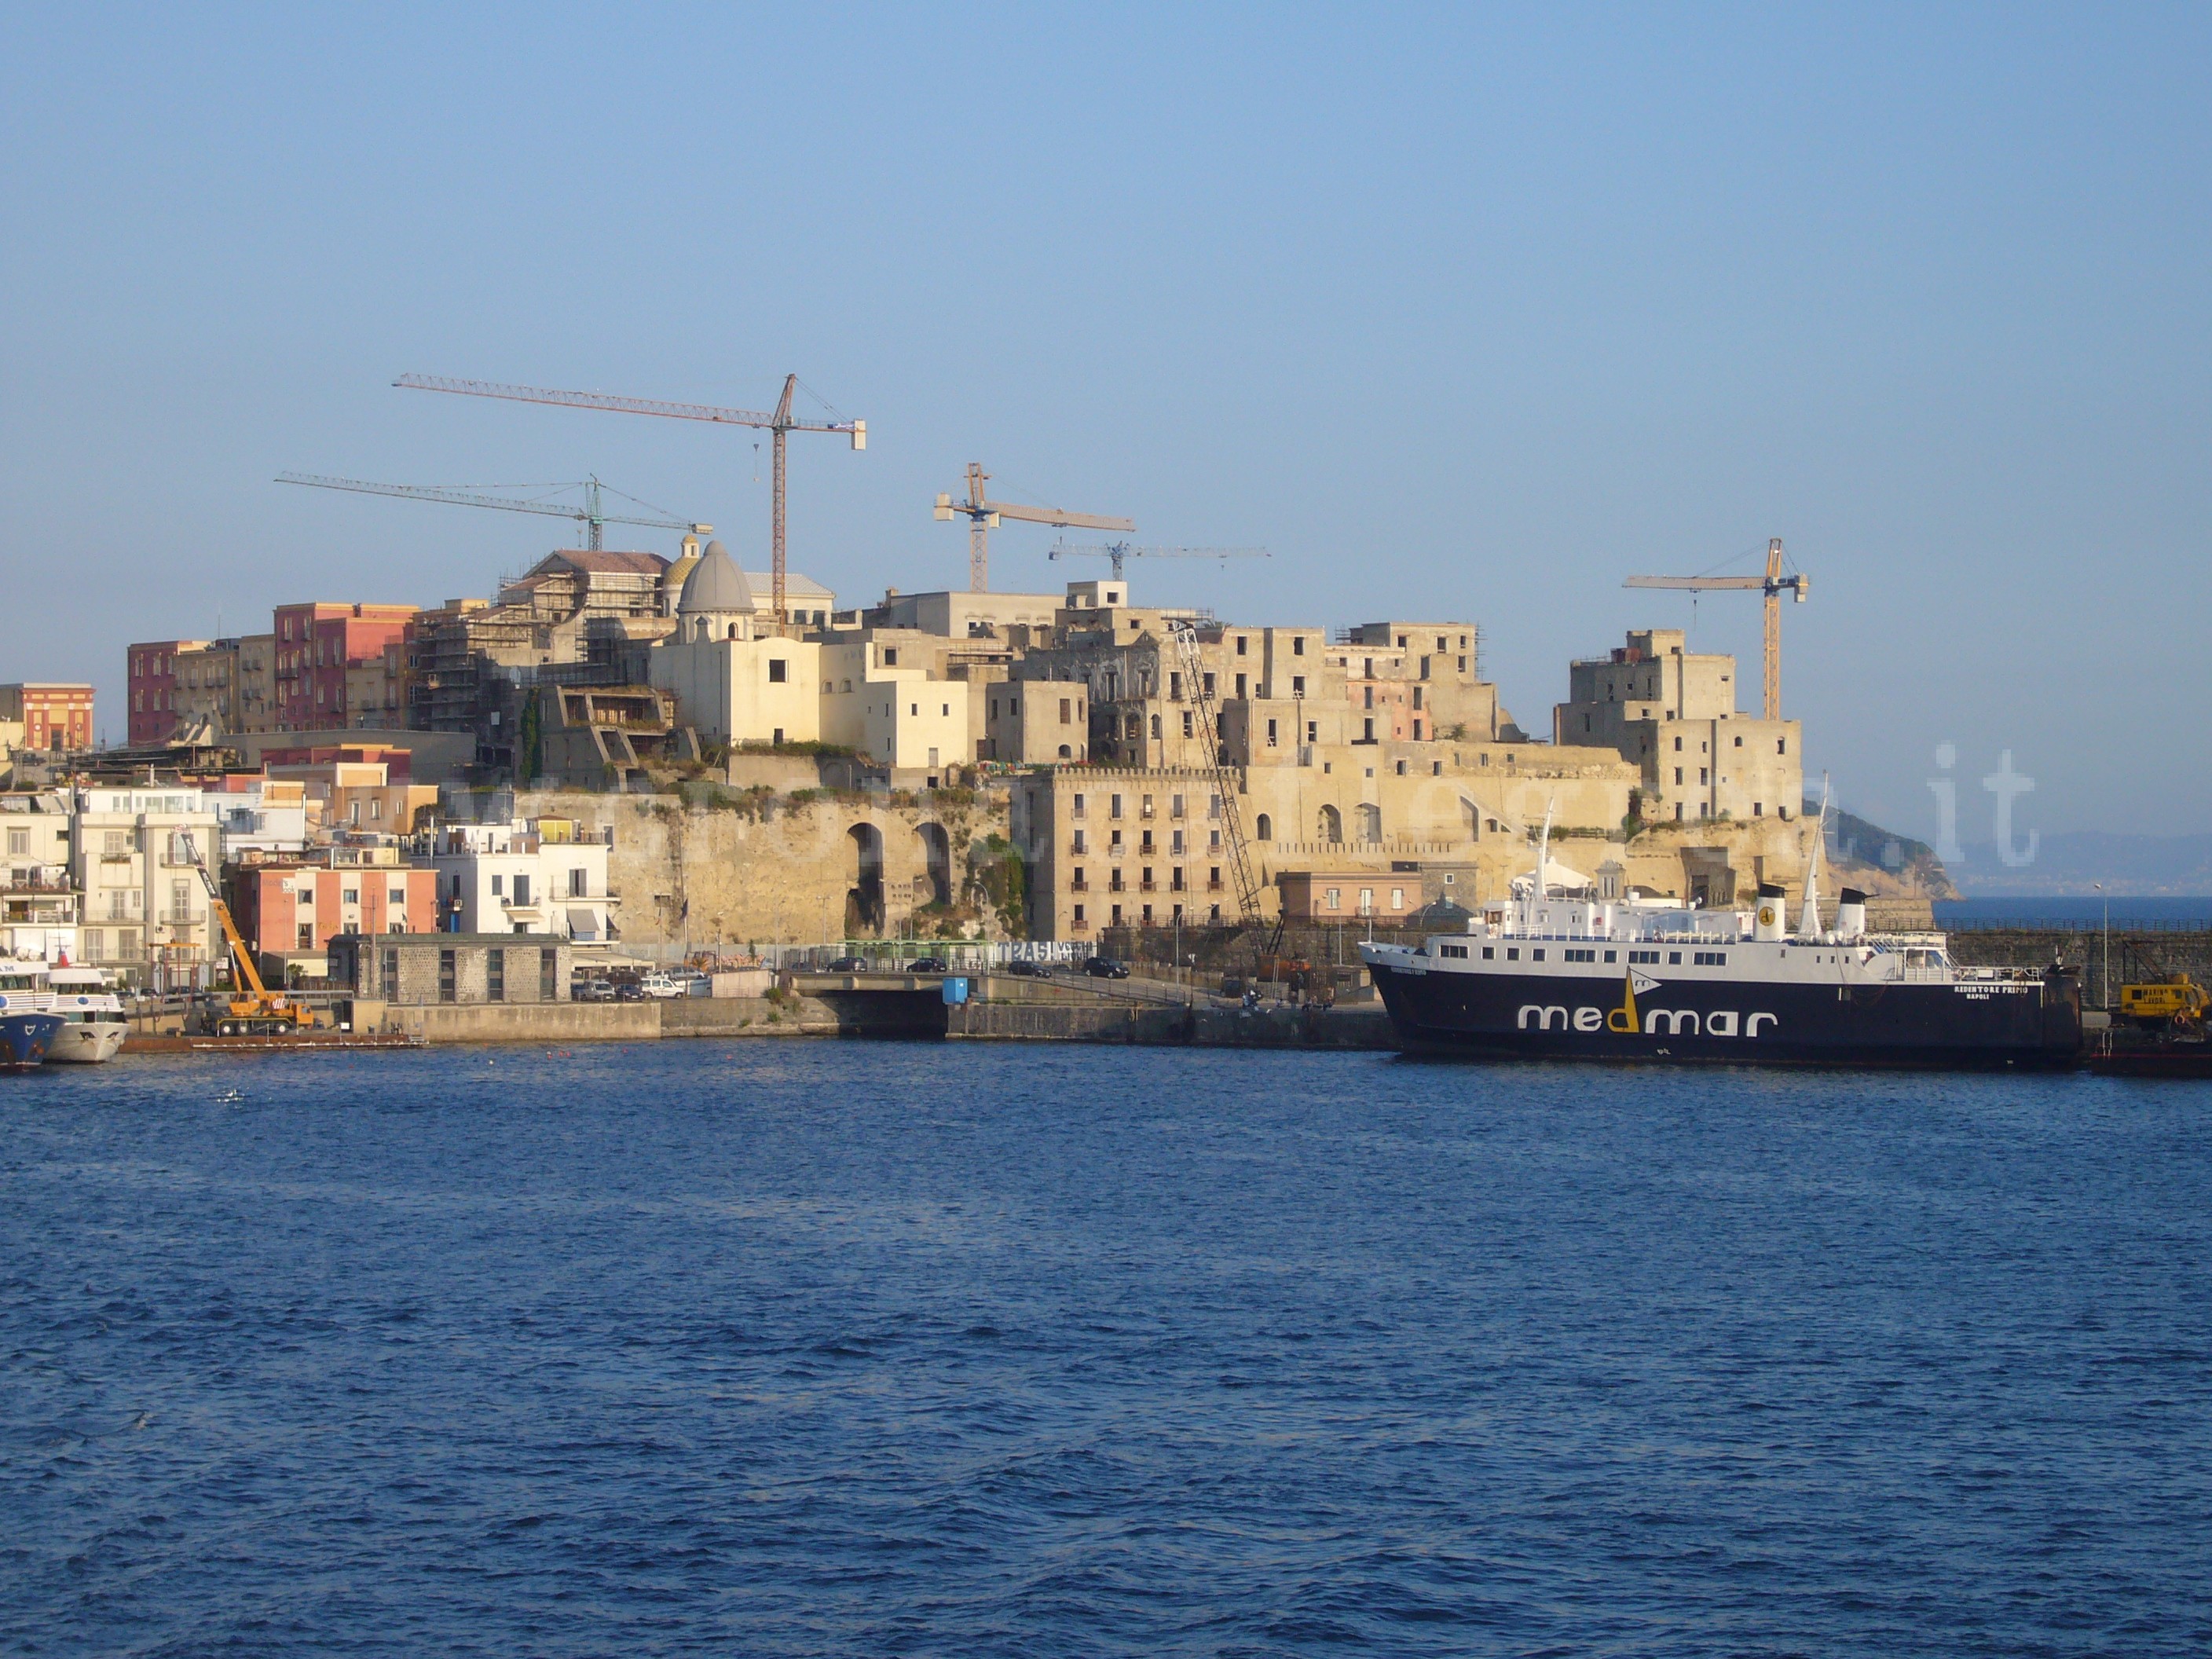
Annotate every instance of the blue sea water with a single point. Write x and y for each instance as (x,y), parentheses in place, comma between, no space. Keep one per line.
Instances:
(814,1347)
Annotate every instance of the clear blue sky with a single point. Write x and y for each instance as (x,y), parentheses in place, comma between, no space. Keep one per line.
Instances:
(1463,314)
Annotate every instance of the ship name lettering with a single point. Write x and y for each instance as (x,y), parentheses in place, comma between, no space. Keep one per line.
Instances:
(1674,1018)
(1542,1017)
(1720,1023)
(1588,1019)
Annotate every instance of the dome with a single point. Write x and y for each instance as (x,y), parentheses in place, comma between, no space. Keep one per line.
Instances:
(715,584)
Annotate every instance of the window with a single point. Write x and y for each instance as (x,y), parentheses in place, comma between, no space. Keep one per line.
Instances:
(1678,745)
(1782,745)
(1678,775)
(521,889)
(1368,691)
(447,991)
(1240,645)
(1701,775)
(1536,955)
(495,976)
(1271,734)
(1648,958)
(1709,958)
(1612,956)
(1264,828)
(1240,685)
(1334,897)
(1079,912)
(1675,959)
(1401,765)
(779,670)
(19,841)
(1488,953)
(1367,734)
(498,882)
(1113,806)
(1080,847)
(1739,743)
(306,936)
(1513,953)
(1298,685)
(388,987)
(349,895)
(1397,898)
(1297,644)
(1064,719)
(891,658)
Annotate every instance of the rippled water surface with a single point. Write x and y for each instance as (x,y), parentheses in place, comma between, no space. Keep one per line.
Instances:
(819,1347)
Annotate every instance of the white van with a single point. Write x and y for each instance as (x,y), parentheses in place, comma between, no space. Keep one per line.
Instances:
(659,984)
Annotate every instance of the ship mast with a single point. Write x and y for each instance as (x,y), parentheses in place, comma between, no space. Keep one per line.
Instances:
(1809,924)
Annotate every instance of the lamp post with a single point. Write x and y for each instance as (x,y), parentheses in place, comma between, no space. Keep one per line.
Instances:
(2108,987)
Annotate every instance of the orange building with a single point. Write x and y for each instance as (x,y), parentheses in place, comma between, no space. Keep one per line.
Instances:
(286,907)
(316,645)
(52,716)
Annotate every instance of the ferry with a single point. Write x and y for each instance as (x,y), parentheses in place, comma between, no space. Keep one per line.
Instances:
(1557,971)
(91,1024)
(25,1036)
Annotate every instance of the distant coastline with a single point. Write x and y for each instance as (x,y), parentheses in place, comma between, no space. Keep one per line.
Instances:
(2127,910)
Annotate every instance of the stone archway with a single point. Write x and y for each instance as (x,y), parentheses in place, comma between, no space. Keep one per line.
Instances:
(863,900)
(1328,826)
(934,886)
(1370,822)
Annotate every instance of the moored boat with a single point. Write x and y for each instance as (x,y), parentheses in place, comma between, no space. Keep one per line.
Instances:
(25,1037)
(94,1025)
(1558,972)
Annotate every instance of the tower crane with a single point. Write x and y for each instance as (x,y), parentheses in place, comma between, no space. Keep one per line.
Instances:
(589,515)
(780,424)
(1771,585)
(983,516)
(1119,551)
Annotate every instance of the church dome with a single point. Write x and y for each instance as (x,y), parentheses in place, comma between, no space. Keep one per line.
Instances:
(715,584)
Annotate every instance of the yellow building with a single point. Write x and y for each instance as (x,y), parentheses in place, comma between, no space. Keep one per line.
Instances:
(733,682)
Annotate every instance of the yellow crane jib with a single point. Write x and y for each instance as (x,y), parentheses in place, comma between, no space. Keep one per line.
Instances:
(1772,585)
(983,516)
(261,1011)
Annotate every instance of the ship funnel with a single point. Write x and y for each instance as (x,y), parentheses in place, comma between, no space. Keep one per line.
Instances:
(1851,914)
(1766,922)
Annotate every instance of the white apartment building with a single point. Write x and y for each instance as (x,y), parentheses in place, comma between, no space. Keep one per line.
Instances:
(537,877)
(136,856)
(897,716)
(38,895)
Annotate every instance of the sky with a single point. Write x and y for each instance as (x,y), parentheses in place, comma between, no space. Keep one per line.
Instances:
(1462,313)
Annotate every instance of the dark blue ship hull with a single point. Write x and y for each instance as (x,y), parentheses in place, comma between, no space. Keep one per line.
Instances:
(24,1038)
(2031,1023)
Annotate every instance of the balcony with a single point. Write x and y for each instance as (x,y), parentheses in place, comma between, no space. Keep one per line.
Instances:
(1078,886)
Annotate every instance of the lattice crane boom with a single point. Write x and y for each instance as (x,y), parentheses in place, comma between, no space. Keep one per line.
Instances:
(780,424)
(983,514)
(1771,585)
(1185,635)
(589,514)
(1121,552)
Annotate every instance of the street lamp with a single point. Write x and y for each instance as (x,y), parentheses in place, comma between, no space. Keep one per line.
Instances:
(2108,987)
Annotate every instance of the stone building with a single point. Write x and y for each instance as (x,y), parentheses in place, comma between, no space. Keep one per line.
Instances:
(735,678)
(136,856)
(1673,712)
(423,969)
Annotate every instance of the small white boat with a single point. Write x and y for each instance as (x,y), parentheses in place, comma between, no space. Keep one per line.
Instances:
(94,1023)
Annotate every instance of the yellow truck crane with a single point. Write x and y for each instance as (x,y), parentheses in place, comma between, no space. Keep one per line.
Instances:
(256,1011)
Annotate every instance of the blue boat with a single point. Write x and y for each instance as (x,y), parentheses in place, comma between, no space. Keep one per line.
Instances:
(24,1038)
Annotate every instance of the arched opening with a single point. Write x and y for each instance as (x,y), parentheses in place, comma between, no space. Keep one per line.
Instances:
(863,900)
(934,885)
(1370,822)
(1066,753)
(1156,727)
(1328,826)
(1263,828)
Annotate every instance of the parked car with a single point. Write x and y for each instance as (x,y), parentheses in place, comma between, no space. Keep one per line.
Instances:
(1106,968)
(929,965)
(629,991)
(690,983)
(591,990)
(659,987)
(848,965)
(1028,970)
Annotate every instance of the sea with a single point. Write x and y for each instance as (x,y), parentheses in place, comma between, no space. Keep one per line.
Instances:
(799,1346)
(2169,912)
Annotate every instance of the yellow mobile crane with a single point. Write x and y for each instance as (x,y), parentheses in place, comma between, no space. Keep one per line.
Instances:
(258,1011)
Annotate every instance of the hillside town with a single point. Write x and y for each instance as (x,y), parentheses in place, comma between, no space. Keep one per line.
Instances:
(646,756)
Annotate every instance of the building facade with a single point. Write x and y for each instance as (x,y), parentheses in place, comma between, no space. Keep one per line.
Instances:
(136,856)
(50,716)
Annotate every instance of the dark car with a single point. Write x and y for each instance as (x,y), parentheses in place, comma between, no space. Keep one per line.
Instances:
(1028,970)
(848,965)
(1106,968)
(629,991)
(928,965)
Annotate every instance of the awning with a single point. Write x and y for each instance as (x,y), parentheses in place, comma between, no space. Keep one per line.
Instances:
(583,923)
